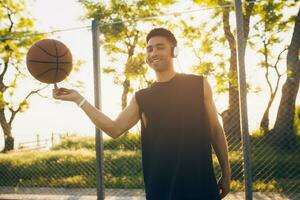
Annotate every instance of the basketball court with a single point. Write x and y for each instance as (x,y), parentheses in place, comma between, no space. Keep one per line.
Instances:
(9,193)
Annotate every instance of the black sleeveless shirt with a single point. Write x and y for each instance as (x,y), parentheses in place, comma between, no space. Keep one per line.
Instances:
(176,149)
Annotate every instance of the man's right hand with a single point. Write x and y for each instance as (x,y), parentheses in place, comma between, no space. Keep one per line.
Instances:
(114,128)
(66,94)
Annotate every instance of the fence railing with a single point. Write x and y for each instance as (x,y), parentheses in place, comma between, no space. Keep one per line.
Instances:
(38,143)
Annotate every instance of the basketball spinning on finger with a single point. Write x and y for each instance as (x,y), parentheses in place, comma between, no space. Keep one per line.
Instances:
(49,61)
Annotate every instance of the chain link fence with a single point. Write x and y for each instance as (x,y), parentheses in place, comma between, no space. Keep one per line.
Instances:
(207,47)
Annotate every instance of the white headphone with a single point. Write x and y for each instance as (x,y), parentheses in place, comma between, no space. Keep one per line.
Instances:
(175,52)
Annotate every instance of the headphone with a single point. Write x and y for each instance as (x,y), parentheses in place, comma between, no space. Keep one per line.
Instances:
(174,52)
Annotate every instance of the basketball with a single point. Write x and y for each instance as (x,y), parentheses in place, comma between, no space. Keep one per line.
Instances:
(49,61)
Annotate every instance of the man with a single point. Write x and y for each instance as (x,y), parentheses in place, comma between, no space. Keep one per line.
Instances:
(179,126)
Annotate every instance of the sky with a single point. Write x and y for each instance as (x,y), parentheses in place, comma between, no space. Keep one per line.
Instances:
(47,116)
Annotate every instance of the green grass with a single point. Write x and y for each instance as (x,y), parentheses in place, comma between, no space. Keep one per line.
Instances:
(38,168)
(72,164)
(126,142)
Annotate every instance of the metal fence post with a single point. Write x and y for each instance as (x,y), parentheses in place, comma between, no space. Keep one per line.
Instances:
(243,99)
(97,92)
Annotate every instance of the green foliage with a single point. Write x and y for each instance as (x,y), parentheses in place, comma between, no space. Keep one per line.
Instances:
(202,38)
(124,35)
(128,141)
(24,106)
(108,70)
(271,21)
(135,67)
(17,34)
(70,168)
(270,29)
(74,143)
(204,68)
(297,120)
(209,3)
(2,101)
(207,45)
(75,167)
(118,22)
(16,22)
(53,168)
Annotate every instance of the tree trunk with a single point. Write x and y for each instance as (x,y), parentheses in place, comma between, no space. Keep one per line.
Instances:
(264,123)
(6,127)
(231,117)
(126,86)
(284,132)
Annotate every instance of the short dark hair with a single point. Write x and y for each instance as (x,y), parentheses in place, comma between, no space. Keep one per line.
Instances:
(163,33)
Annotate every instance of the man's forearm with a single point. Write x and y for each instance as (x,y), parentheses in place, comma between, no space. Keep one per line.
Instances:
(221,149)
(100,120)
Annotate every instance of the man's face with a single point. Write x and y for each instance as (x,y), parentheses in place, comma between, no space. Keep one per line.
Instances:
(158,54)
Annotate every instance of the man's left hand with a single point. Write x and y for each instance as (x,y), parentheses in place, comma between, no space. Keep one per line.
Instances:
(224,186)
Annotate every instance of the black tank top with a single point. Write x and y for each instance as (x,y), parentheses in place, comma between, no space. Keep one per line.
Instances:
(176,149)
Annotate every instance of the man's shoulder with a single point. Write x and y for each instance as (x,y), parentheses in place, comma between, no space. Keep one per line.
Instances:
(192,77)
(141,92)
(183,76)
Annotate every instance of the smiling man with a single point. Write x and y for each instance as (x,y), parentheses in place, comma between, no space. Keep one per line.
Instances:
(179,127)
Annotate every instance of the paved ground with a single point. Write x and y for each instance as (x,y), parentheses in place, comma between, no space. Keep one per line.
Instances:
(9,193)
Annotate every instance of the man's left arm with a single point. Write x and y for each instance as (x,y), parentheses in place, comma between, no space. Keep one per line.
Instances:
(218,139)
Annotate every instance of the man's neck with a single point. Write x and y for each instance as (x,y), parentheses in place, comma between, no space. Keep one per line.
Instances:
(165,76)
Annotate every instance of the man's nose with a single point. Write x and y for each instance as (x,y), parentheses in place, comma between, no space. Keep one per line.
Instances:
(154,53)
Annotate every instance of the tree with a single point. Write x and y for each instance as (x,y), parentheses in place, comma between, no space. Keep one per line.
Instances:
(124,37)
(231,116)
(15,25)
(268,28)
(284,129)
(210,59)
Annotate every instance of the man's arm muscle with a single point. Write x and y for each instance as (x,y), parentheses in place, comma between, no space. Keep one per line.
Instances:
(128,118)
(217,134)
(114,128)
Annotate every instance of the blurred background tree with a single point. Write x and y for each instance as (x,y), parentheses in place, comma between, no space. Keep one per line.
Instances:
(16,23)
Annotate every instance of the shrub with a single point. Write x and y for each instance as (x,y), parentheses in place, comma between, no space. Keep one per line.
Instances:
(129,141)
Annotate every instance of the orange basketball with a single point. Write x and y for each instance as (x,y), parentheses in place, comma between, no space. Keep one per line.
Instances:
(49,61)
